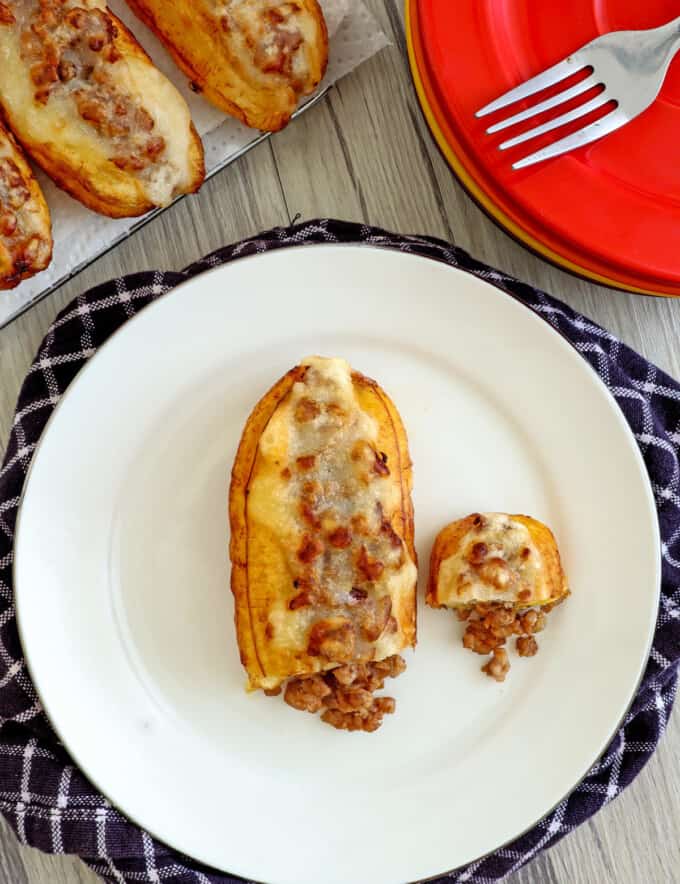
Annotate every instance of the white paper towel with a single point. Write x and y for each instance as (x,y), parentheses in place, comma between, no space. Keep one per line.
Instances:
(81,235)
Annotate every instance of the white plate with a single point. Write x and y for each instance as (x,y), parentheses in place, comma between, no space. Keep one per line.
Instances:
(122,575)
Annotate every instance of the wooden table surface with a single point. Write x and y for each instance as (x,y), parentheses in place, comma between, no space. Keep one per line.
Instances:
(365,154)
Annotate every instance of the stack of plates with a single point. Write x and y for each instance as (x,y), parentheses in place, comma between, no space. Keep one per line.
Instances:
(609,212)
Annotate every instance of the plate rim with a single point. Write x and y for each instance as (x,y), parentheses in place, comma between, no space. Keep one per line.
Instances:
(342,246)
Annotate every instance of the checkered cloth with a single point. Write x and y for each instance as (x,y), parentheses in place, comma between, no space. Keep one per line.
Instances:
(47,799)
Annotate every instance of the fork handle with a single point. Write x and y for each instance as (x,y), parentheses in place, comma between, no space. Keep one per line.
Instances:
(673,29)
(669,39)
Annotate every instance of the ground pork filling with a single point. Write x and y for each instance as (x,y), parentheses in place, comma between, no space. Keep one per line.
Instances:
(269,32)
(491,624)
(345,695)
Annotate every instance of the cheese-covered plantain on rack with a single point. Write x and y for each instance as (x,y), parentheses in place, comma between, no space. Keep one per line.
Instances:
(254,59)
(89,107)
(25,235)
(323,561)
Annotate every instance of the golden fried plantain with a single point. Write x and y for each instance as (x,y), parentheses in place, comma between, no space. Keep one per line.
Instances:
(25,231)
(495,558)
(323,562)
(254,59)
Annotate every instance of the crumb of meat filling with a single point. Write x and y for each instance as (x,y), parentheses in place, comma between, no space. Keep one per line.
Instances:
(498,665)
(345,695)
(490,625)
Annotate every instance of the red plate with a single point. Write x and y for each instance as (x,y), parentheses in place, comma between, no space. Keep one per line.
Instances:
(610,211)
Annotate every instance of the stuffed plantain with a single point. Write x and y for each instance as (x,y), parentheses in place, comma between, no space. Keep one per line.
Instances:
(87,104)
(494,557)
(323,562)
(253,59)
(502,574)
(25,234)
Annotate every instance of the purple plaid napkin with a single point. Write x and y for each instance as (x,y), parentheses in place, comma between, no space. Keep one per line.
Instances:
(45,797)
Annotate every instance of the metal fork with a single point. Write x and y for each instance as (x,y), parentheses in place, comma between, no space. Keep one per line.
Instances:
(630,65)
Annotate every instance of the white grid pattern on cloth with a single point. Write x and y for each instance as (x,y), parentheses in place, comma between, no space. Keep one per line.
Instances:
(101,817)
(71,816)
(62,803)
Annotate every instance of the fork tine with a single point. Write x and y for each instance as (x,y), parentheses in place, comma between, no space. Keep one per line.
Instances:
(549,77)
(610,123)
(562,120)
(549,103)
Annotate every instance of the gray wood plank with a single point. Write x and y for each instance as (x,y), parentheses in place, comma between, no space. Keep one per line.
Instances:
(365,154)
(12,869)
(40,868)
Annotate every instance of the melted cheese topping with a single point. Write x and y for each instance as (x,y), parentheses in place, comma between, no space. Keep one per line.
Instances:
(52,115)
(353,577)
(496,562)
